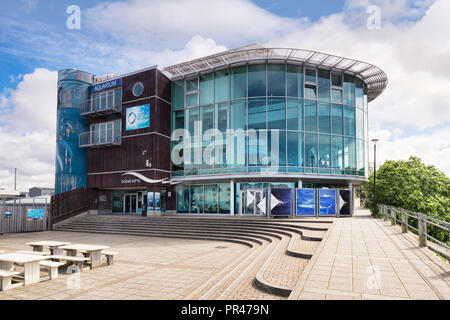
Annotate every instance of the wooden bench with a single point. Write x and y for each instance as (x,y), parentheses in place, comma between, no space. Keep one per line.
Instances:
(52,268)
(78,261)
(109,256)
(34,252)
(6,278)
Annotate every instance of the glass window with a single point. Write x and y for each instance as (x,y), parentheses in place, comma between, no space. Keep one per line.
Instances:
(349,121)
(359,93)
(349,90)
(196,199)
(295,149)
(221,85)
(103,100)
(336,119)
(178,95)
(183,199)
(276,80)
(257,80)
(207,117)
(239,82)
(191,116)
(256,114)
(365,97)
(191,85)
(294,114)
(238,115)
(191,100)
(360,164)
(337,154)
(276,117)
(206,89)
(310,92)
(324,85)
(221,121)
(359,123)
(336,95)
(310,75)
(110,99)
(310,116)
(324,118)
(349,154)
(324,151)
(294,81)
(178,120)
(118,98)
(211,194)
(336,79)
(224,197)
(281,141)
(311,155)
(96,101)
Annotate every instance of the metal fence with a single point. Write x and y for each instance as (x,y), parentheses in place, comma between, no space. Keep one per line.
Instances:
(15,215)
(420,223)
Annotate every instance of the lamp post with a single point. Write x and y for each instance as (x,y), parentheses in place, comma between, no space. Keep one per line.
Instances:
(375,176)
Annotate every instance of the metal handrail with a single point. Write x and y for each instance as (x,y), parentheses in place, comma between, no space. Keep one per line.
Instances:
(390,212)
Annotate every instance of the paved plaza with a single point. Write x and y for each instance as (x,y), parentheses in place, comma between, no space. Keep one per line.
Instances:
(358,258)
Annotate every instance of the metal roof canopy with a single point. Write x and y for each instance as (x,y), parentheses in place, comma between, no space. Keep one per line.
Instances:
(375,79)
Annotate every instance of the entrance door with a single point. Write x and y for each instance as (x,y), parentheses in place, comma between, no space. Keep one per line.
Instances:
(130,203)
(252,202)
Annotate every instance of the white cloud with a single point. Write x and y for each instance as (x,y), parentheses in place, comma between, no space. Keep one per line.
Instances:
(27,134)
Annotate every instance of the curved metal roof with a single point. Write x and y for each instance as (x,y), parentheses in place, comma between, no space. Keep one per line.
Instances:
(375,79)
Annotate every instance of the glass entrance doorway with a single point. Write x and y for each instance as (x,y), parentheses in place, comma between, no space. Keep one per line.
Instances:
(130,205)
(252,202)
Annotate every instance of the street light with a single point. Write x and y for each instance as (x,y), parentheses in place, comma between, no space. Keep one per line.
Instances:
(375,176)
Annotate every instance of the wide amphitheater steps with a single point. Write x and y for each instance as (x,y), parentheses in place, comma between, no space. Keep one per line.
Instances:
(279,248)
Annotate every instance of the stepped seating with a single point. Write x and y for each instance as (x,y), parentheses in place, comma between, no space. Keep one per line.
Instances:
(281,248)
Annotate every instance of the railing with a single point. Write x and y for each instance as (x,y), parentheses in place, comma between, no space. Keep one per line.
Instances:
(423,221)
(107,137)
(88,107)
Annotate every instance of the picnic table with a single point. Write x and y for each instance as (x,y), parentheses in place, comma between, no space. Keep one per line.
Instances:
(54,246)
(29,261)
(94,252)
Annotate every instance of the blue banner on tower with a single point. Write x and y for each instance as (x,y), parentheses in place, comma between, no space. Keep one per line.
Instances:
(138,117)
(306,202)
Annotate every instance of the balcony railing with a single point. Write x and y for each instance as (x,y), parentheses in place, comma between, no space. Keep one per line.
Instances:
(103,138)
(88,108)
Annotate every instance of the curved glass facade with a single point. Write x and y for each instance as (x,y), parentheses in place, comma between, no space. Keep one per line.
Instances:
(318,116)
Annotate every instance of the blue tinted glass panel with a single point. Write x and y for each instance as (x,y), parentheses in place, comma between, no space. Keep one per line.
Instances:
(221,85)
(294,81)
(336,95)
(207,117)
(224,197)
(238,117)
(349,90)
(360,164)
(295,149)
(324,85)
(211,194)
(221,116)
(191,85)
(359,123)
(206,89)
(276,80)
(310,92)
(191,100)
(359,93)
(272,149)
(310,116)
(183,199)
(337,119)
(337,154)
(349,121)
(294,114)
(310,75)
(239,82)
(257,114)
(196,199)
(276,118)
(311,154)
(324,118)
(349,154)
(178,95)
(324,151)
(257,80)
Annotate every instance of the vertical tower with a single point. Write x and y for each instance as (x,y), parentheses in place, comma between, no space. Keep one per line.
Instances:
(73,90)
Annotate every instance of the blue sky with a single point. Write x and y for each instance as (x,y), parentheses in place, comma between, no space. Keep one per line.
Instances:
(122,36)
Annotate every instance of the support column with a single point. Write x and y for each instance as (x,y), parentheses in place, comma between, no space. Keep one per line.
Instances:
(300,184)
(232,198)
(350,189)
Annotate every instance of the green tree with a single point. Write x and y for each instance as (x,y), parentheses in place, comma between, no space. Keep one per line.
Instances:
(414,186)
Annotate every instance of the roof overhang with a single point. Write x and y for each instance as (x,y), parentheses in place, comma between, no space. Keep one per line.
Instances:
(375,79)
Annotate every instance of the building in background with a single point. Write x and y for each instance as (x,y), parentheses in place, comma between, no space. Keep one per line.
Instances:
(36,192)
(314,104)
